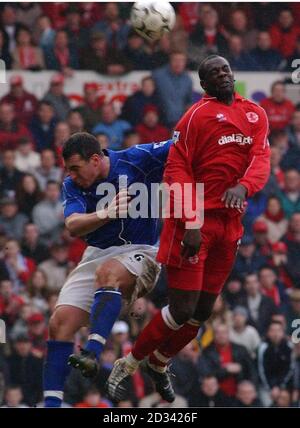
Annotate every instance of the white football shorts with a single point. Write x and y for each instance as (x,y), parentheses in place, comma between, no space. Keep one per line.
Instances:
(140,260)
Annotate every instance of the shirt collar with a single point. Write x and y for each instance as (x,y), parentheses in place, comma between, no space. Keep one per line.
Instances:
(237,97)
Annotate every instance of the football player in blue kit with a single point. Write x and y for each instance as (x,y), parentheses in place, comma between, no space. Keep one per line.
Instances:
(119,264)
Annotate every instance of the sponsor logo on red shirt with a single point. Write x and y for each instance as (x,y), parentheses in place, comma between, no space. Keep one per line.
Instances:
(240,139)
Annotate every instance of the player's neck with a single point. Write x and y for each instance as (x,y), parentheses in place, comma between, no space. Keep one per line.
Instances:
(105,167)
(226,99)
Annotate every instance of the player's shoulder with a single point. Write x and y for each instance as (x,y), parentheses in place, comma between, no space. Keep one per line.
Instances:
(198,109)
(69,186)
(253,110)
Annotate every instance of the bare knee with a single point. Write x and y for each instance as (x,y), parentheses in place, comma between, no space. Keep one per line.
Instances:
(112,274)
(65,322)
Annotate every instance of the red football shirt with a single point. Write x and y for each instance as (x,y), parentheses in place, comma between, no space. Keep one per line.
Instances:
(220,145)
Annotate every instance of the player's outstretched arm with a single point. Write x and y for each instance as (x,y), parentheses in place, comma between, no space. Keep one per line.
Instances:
(82,224)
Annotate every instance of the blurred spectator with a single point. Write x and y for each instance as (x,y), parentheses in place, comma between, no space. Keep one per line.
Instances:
(10,129)
(20,268)
(10,303)
(174,88)
(239,26)
(92,398)
(296,380)
(260,307)
(4,52)
(246,395)
(75,121)
(26,370)
(159,53)
(38,334)
(265,14)
(61,133)
(57,98)
(77,34)
(125,404)
(13,397)
(113,127)
(62,56)
(42,126)
(150,129)
(189,13)
(278,107)
(272,287)
(102,59)
(131,138)
(112,26)
(284,33)
(283,400)
(256,206)
(134,105)
(9,25)
(76,247)
(290,195)
(104,140)
(279,262)
(274,219)
(26,158)
(233,292)
(276,179)
(260,233)
(264,56)
(25,104)
(275,364)
(292,311)
(32,246)
(184,368)
(44,34)
(47,171)
(210,394)
(135,51)
(206,39)
(48,214)
(292,240)
(290,64)
(120,338)
(26,56)
(27,13)
(11,220)
(248,259)
(55,11)
(91,13)
(10,176)
(56,268)
(28,194)
(238,57)
(90,110)
(242,334)
(292,157)
(230,363)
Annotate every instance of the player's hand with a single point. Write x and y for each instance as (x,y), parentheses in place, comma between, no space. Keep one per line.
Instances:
(117,208)
(191,243)
(235,197)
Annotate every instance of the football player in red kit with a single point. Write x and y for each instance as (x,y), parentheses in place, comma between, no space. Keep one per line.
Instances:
(221,141)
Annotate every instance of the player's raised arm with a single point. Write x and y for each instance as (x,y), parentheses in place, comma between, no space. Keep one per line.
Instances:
(80,224)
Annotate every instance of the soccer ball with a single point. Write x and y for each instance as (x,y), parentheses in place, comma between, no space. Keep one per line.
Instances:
(151,19)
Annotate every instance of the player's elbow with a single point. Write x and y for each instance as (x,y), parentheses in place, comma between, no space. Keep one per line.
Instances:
(73,229)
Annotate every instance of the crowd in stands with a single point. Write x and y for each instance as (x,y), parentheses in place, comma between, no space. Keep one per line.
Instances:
(248,353)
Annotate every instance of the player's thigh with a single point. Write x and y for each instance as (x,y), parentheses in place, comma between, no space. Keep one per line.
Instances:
(66,321)
(142,264)
(114,274)
(218,266)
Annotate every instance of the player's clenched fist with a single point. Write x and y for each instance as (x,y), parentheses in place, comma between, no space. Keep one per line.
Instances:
(191,243)
(118,207)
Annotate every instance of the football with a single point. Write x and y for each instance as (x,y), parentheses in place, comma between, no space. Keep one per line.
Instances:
(151,19)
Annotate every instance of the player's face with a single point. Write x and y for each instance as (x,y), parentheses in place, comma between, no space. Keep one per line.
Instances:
(219,80)
(83,172)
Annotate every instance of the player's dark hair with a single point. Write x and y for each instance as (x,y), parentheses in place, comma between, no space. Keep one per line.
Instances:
(83,144)
(202,69)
